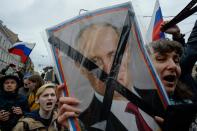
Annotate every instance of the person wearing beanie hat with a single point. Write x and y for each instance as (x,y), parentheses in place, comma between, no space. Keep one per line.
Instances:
(44,118)
(13,105)
(14,77)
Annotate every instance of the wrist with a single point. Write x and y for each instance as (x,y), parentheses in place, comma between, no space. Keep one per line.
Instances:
(178,36)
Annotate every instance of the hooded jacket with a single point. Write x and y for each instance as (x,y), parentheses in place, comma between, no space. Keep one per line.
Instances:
(9,100)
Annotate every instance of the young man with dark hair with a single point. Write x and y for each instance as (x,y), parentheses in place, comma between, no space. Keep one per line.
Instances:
(166,55)
(13,105)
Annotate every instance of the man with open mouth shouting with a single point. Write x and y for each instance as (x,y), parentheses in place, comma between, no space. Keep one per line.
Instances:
(165,55)
(45,117)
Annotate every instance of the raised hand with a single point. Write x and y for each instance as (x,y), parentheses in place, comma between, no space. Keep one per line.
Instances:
(17,110)
(67,107)
(174,30)
(4,115)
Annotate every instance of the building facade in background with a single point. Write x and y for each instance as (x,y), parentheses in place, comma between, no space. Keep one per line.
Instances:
(7,39)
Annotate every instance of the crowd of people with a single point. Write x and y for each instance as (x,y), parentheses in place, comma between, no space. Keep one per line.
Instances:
(30,103)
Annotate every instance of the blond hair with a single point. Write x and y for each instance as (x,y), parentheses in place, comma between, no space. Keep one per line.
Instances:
(43,88)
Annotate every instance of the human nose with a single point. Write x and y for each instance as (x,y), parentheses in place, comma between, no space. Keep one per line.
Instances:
(50,97)
(107,66)
(172,65)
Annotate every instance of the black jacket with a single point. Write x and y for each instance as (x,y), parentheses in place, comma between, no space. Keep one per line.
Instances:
(188,60)
(8,100)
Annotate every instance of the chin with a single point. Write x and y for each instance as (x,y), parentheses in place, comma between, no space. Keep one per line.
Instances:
(170,90)
(48,110)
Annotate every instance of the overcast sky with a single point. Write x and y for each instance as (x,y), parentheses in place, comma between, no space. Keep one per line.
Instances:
(30,18)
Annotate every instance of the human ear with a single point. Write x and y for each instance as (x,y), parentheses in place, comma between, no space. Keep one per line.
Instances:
(37,101)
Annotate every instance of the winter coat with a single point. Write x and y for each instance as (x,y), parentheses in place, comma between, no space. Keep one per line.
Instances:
(32,122)
(188,60)
(9,100)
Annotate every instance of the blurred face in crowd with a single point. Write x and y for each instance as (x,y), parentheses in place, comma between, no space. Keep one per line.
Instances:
(26,82)
(10,85)
(47,99)
(31,85)
(168,69)
(99,44)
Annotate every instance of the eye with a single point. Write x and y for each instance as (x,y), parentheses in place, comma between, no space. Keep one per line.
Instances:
(12,82)
(94,60)
(177,59)
(112,55)
(97,61)
(53,94)
(160,58)
(45,95)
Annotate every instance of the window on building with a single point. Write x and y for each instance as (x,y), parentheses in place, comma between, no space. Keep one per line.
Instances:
(0,39)
(3,44)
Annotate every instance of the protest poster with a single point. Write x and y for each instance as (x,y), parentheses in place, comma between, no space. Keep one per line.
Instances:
(101,57)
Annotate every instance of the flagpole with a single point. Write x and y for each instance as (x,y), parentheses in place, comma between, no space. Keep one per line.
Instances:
(186,12)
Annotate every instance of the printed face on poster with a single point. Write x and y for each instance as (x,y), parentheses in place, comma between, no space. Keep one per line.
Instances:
(84,50)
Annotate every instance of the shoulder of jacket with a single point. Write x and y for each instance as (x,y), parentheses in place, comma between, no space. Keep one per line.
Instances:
(32,124)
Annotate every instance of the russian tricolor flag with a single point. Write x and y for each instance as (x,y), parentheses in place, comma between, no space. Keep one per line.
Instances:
(22,49)
(154,32)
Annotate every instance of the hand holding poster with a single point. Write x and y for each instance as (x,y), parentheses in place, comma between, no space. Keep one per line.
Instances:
(102,59)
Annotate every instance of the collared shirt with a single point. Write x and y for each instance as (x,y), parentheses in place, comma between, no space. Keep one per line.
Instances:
(128,119)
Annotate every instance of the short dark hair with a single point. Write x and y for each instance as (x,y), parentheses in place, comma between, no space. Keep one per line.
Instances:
(165,46)
(13,77)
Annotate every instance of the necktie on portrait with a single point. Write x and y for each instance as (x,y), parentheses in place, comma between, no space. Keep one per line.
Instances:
(141,123)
